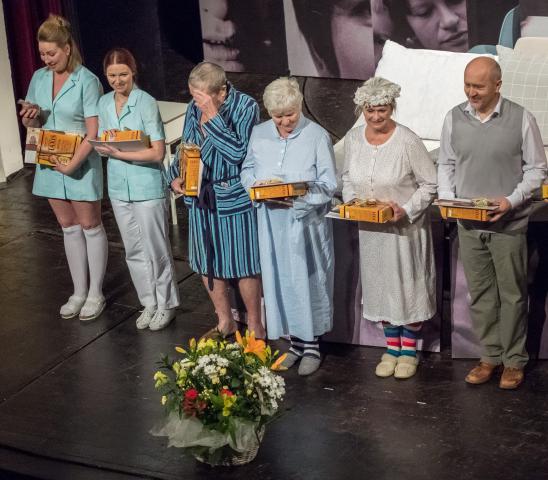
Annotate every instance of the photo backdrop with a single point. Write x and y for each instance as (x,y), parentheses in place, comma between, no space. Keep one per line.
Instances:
(340,38)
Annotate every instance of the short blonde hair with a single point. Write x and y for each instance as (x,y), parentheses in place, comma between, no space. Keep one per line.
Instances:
(209,75)
(281,95)
(56,29)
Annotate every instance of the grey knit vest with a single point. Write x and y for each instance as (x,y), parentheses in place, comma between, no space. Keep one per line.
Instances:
(489,160)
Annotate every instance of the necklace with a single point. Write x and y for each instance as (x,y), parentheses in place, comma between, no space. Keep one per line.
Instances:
(120,102)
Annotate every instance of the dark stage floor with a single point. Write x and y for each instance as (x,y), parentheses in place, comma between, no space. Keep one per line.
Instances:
(77,401)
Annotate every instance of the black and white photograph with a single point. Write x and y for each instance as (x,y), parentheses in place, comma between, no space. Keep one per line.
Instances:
(330,38)
(429,24)
(534,18)
(244,36)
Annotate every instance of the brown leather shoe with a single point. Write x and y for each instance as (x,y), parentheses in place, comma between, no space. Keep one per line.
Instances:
(481,373)
(511,378)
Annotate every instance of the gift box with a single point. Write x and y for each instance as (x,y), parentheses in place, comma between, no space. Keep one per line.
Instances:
(56,147)
(31,144)
(545,191)
(267,191)
(366,211)
(124,140)
(464,210)
(189,167)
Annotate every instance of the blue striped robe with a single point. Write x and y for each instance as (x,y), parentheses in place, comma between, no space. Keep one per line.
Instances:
(233,223)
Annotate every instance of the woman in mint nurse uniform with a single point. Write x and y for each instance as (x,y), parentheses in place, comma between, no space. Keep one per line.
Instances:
(63,96)
(137,190)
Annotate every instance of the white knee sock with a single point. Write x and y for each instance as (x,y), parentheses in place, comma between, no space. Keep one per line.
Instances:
(97,253)
(77,257)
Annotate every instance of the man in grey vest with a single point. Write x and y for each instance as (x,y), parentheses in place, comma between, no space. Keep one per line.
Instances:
(492,147)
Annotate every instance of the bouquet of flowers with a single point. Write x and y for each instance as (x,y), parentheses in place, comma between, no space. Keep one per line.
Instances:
(219,396)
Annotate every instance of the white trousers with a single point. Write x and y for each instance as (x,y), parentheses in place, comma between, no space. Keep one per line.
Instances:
(145,233)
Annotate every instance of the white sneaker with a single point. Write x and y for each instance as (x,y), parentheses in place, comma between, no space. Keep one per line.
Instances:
(93,307)
(162,318)
(143,321)
(73,306)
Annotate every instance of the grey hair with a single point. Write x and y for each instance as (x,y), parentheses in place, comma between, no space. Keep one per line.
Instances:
(208,75)
(282,94)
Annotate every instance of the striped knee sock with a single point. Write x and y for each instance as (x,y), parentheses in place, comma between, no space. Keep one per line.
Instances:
(304,348)
(409,336)
(392,334)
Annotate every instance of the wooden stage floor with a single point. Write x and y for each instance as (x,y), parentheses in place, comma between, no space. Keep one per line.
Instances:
(77,401)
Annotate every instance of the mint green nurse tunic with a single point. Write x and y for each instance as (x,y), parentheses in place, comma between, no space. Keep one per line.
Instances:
(133,181)
(76,101)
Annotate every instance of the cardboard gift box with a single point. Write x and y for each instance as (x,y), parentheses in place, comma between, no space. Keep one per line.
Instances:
(464,210)
(267,191)
(189,168)
(366,211)
(57,146)
(31,144)
(124,140)
(545,191)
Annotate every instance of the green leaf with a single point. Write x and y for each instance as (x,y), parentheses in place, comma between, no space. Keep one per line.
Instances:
(235,383)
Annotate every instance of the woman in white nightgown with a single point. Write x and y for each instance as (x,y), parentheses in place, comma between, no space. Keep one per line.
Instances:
(387,162)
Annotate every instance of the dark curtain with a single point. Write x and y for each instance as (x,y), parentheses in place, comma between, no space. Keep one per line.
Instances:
(23,17)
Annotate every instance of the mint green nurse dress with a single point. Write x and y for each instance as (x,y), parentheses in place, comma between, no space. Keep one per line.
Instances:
(76,101)
(134,181)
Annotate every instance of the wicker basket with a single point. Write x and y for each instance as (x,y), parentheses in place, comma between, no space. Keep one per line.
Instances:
(232,458)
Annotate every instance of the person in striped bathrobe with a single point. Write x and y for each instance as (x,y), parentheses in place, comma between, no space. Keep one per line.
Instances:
(223,241)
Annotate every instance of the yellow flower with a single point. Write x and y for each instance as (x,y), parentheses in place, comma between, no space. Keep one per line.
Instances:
(228,402)
(252,345)
(176,367)
(215,380)
(277,365)
(222,371)
(164,399)
(161,379)
(180,350)
(192,343)
(209,343)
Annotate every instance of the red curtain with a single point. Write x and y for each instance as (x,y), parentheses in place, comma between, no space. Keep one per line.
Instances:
(23,17)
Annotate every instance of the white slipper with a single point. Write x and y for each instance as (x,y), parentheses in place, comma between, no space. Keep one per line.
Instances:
(290,360)
(72,308)
(143,320)
(406,367)
(386,366)
(309,364)
(92,308)
(162,318)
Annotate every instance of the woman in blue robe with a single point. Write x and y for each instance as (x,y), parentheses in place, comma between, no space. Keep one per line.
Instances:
(295,238)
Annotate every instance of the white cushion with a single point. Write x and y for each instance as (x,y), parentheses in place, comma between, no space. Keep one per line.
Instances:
(525,81)
(432,83)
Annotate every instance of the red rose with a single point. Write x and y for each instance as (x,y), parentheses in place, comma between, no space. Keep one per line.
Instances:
(191,394)
(227,392)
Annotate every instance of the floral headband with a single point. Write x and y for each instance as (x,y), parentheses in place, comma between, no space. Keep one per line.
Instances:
(375,92)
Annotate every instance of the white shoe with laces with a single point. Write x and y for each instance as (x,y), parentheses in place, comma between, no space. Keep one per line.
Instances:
(73,306)
(162,318)
(143,321)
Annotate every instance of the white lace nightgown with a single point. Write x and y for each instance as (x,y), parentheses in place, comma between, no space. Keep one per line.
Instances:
(396,259)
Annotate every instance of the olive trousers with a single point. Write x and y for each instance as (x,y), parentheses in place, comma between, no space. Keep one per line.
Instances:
(495,266)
